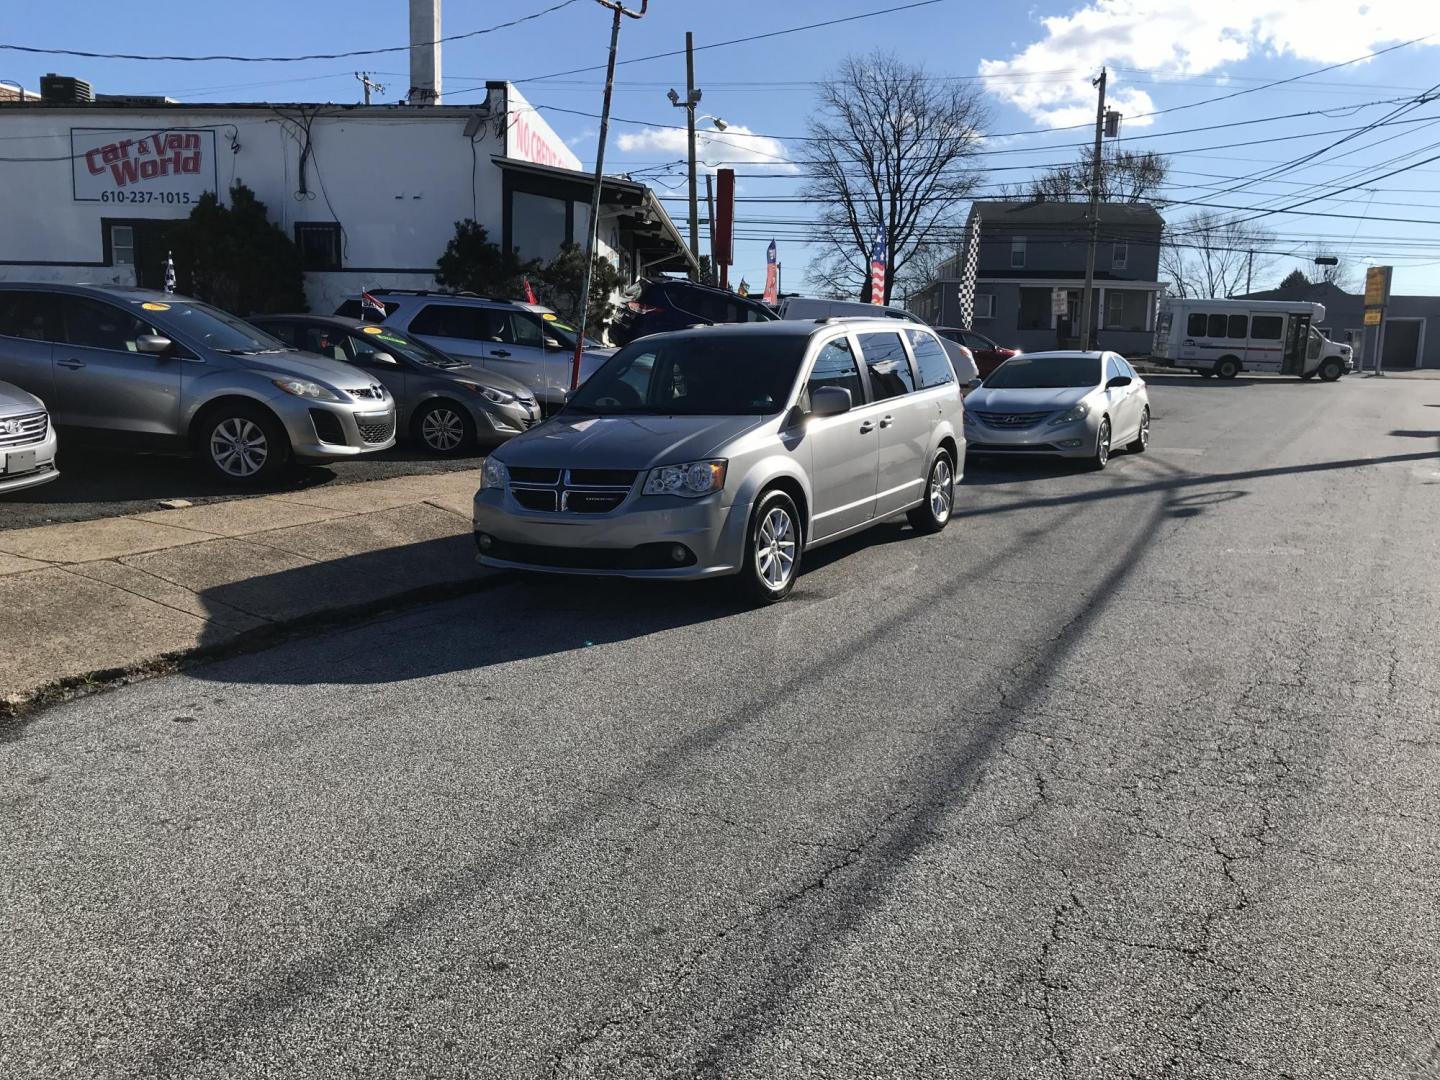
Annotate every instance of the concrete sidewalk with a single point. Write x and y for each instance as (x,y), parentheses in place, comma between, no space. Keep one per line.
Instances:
(98,599)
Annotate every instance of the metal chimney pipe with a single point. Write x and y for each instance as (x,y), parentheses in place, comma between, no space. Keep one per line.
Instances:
(424,52)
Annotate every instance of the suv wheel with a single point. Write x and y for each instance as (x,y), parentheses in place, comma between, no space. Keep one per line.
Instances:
(444,428)
(772,549)
(934,513)
(243,444)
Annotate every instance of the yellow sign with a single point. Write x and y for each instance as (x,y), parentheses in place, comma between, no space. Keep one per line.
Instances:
(549,316)
(151,306)
(371,330)
(1372,316)
(1377,286)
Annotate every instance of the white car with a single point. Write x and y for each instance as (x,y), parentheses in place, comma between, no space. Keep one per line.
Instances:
(27,441)
(1067,404)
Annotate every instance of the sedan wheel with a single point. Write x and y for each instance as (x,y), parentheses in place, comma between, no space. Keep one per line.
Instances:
(443,428)
(1142,438)
(934,513)
(1101,457)
(773,558)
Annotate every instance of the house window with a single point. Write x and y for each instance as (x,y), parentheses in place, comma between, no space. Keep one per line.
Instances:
(1121,258)
(984,305)
(1035,309)
(122,245)
(1017,253)
(1126,309)
(319,244)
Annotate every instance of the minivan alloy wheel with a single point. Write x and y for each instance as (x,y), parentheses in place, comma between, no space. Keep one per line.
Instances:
(775,548)
(239,447)
(942,490)
(442,429)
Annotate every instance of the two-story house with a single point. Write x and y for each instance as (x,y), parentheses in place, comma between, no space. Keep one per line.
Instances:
(1028,250)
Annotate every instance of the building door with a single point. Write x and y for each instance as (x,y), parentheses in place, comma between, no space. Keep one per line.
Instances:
(139,247)
(1402,342)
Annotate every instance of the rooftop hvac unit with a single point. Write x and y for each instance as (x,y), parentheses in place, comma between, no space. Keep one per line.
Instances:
(65,90)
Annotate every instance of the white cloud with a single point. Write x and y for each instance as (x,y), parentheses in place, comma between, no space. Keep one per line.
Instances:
(737,144)
(1182,37)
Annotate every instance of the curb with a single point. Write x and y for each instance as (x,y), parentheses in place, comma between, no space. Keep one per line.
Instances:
(14,712)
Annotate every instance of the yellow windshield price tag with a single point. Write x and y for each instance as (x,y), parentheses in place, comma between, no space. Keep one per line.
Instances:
(150,305)
(371,330)
(549,316)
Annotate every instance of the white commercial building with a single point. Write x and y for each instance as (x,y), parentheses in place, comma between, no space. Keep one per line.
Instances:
(371,194)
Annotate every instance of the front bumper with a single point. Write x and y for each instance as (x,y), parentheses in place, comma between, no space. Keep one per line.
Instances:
(1075,440)
(634,540)
(327,431)
(41,472)
(502,421)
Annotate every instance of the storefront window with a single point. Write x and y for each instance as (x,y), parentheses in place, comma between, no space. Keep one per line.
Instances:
(538,227)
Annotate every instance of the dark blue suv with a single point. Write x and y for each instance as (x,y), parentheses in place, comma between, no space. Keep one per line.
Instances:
(654,305)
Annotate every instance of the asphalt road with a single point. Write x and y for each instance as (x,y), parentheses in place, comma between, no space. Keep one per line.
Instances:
(97,483)
(1132,774)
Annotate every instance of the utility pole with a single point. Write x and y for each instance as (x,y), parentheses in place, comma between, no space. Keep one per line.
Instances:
(1087,335)
(688,103)
(594,231)
(365,81)
(1249,266)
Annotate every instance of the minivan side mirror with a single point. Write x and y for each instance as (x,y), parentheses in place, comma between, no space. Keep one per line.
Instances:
(153,343)
(1118,381)
(830,401)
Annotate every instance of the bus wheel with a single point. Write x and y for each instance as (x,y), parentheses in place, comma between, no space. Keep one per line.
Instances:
(1331,370)
(1228,367)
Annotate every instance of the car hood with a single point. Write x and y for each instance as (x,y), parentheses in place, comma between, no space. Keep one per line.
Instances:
(13,400)
(472,374)
(624,442)
(303,365)
(1048,400)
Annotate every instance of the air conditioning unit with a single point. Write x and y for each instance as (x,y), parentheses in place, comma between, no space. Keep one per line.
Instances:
(65,90)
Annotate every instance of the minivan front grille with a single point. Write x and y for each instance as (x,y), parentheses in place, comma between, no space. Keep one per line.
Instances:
(24,429)
(571,491)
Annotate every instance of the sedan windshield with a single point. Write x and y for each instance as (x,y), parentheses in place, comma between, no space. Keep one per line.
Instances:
(216,329)
(383,339)
(702,374)
(1045,373)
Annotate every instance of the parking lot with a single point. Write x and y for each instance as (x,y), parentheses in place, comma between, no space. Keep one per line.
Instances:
(1124,774)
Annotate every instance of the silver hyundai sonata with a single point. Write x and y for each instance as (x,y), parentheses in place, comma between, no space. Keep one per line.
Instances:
(730,449)
(1068,404)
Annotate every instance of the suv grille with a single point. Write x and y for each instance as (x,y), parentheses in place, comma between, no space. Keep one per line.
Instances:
(373,392)
(24,430)
(376,430)
(1010,421)
(571,491)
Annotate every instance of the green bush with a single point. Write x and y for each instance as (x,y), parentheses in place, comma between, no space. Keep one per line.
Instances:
(236,258)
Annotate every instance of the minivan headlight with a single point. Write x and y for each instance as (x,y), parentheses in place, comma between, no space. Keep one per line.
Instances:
(1079,412)
(306,389)
(692,479)
(494,475)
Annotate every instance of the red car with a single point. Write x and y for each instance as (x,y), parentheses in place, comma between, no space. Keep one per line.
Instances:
(988,355)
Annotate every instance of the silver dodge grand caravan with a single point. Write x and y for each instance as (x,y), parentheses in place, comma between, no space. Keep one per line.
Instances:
(730,449)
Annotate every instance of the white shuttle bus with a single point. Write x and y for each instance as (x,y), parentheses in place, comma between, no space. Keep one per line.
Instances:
(1226,337)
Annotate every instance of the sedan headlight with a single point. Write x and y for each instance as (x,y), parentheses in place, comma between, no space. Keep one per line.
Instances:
(1079,412)
(494,475)
(692,479)
(304,388)
(489,393)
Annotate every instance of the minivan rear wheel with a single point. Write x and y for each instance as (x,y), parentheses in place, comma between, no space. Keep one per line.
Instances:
(934,513)
(242,444)
(772,549)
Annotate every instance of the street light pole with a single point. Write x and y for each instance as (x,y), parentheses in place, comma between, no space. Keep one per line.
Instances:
(1086,301)
(692,97)
(594,230)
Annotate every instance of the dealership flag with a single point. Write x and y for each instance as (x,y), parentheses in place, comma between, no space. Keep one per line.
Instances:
(744,289)
(877,271)
(772,276)
(169,273)
(369,303)
(529,292)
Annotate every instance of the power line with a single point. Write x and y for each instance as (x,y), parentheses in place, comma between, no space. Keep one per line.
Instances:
(292,59)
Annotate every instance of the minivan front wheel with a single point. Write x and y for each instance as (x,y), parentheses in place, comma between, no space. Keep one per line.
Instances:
(934,513)
(242,444)
(772,550)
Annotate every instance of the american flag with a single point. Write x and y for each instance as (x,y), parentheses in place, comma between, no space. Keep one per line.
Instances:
(529,292)
(369,303)
(877,271)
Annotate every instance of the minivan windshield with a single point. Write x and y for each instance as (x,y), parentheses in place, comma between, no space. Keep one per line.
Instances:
(696,374)
(565,334)
(1044,373)
(211,327)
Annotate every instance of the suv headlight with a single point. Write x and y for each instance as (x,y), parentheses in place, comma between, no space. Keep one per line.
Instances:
(692,479)
(1079,412)
(494,475)
(304,388)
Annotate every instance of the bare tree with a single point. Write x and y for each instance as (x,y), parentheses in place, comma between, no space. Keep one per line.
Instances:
(1125,176)
(1210,255)
(890,155)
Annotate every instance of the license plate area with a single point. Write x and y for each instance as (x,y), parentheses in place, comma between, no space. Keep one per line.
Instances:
(19,461)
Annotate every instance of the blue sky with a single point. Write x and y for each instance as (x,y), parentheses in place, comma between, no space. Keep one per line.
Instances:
(1036,62)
